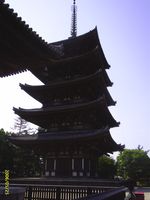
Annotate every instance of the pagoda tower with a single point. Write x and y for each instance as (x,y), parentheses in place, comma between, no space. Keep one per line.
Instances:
(74,120)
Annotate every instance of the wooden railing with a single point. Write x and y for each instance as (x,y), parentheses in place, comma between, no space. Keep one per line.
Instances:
(52,192)
(114,194)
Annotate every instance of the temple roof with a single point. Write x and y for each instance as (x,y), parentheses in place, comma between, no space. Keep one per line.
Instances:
(100,102)
(62,83)
(99,137)
(63,135)
(84,64)
(44,93)
(82,44)
(93,56)
(95,111)
(20,46)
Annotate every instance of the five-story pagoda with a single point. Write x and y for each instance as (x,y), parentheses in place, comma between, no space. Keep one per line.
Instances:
(74,120)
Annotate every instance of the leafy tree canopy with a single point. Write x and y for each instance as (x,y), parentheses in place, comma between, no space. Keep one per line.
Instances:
(106,167)
(133,163)
(6,151)
(20,161)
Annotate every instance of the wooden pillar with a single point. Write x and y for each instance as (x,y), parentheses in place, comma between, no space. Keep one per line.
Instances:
(89,165)
(72,164)
(46,167)
(54,165)
(82,163)
(74,173)
(54,168)
(89,168)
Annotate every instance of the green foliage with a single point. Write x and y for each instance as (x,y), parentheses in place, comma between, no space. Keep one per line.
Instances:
(26,163)
(20,162)
(6,151)
(133,163)
(106,167)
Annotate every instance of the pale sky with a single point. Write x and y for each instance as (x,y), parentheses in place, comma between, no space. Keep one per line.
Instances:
(124,33)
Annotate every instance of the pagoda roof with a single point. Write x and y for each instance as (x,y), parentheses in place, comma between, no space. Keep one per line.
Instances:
(54,109)
(99,137)
(107,79)
(82,44)
(42,116)
(63,135)
(87,63)
(20,47)
(43,93)
(60,84)
(93,56)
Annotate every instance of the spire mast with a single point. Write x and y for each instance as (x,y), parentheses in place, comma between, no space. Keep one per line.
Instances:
(74,20)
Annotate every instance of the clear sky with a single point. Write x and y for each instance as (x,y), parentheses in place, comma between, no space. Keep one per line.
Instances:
(124,32)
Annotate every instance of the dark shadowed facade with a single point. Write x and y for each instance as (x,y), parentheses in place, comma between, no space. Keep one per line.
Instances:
(74,120)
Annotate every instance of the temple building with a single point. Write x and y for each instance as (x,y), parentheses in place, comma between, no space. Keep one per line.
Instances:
(74,120)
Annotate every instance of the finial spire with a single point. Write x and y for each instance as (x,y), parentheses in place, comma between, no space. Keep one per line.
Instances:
(74,20)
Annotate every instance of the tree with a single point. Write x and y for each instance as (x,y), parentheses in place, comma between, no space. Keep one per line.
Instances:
(26,163)
(134,164)
(21,127)
(106,167)
(20,161)
(6,151)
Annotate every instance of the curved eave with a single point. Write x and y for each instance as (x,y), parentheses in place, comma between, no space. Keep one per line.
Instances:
(89,61)
(109,145)
(86,57)
(20,47)
(110,101)
(41,111)
(42,116)
(107,79)
(104,60)
(100,138)
(40,92)
(60,136)
(86,41)
(86,37)
(60,84)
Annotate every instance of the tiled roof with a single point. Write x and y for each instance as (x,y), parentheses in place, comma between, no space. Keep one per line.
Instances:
(20,47)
